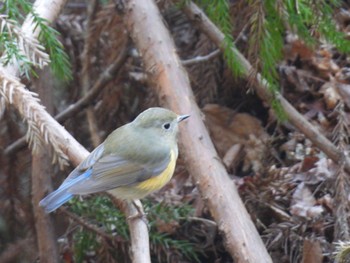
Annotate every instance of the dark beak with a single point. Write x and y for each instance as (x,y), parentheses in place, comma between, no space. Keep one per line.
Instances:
(182,117)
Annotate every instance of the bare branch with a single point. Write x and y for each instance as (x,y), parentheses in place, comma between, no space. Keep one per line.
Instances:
(200,59)
(87,225)
(172,86)
(139,239)
(41,181)
(85,74)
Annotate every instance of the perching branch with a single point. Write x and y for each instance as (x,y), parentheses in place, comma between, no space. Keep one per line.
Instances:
(171,83)
(139,242)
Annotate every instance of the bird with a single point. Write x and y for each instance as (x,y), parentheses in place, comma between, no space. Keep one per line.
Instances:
(135,160)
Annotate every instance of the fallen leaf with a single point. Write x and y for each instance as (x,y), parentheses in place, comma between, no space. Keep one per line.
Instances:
(312,251)
(304,203)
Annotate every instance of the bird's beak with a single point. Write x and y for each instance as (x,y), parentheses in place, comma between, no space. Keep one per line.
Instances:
(182,117)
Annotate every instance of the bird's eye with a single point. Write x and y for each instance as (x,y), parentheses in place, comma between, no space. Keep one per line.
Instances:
(166,126)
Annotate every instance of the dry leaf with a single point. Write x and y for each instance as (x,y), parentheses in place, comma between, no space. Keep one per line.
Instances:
(228,128)
(304,204)
(344,91)
(312,252)
(330,94)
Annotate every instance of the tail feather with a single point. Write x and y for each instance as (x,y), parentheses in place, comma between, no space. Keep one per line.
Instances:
(55,200)
(62,195)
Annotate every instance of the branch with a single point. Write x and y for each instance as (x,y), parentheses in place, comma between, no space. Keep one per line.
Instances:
(200,59)
(88,226)
(171,83)
(86,70)
(41,181)
(74,108)
(196,15)
(139,241)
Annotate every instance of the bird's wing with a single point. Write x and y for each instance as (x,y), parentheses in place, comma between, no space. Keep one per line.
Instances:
(112,171)
(85,165)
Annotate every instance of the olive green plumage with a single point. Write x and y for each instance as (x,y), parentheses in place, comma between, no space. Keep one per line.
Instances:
(134,160)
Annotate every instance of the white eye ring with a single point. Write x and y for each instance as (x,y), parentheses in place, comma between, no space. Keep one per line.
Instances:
(166,126)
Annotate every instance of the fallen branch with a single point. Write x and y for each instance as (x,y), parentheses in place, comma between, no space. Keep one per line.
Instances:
(171,83)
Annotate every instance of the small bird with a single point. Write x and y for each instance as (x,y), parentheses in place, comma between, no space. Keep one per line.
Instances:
(134,161)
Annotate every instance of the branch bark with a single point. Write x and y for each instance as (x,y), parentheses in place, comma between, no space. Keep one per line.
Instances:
(172,86)
(197,16)
(41,182)
(86,70)
(140,248)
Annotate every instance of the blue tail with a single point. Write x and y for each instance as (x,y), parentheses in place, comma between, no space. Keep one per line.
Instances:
(57,198)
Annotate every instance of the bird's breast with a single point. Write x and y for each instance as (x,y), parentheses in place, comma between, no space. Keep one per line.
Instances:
(157,182)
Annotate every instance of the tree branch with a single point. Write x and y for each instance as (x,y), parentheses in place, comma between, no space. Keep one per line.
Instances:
(86,70)
(88,226)
(41,181)
(83,102)
(172,86)
(139,242)
(197,16)
(200,59)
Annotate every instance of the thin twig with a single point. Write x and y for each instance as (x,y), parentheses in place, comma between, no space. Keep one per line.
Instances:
(200,59)
(87,225)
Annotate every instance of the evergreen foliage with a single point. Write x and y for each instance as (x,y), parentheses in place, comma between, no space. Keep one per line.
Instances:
(12,41)
(100,211)
(311,20)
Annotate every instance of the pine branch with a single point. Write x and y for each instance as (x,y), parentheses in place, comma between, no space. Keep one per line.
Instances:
(106,76)
(341,135)
(30,46)
(38,129)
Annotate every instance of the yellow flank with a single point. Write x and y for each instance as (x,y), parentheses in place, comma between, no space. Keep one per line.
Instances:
(159,181)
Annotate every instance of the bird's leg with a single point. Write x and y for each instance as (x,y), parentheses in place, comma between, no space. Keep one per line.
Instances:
(140,213)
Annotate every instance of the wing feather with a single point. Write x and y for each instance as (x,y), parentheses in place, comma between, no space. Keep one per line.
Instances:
(112,171)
